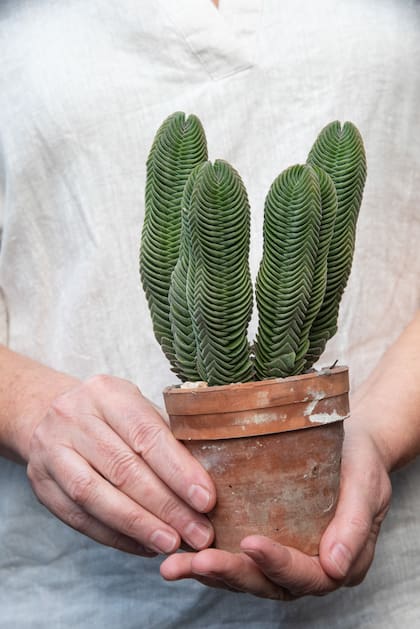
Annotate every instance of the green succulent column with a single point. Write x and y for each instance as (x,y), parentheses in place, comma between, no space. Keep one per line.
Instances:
(339,151)
(184,342)
(219,289)
(319,281)
(284,289)
(179,146)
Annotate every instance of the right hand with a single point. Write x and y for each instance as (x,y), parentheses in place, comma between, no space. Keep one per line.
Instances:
(268,569)
(104,461)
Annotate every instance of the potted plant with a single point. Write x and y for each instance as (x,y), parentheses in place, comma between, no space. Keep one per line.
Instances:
(265,424)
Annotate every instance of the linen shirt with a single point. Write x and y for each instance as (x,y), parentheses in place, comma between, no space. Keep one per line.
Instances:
(83,88)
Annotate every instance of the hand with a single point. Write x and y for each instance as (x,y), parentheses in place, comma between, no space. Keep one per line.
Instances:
(270,570)
(104,461)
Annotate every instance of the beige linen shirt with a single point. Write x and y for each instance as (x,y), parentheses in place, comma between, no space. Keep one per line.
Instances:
(83,87)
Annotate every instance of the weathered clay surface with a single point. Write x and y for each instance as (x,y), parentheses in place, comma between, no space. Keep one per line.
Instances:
(273,449)
(284,486)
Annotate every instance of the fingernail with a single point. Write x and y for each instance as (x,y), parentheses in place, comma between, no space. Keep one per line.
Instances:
(199,497)
(163,541)
(341,558)
(198,534)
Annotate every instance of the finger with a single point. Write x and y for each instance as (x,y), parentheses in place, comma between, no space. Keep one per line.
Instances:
(94,494)
(363,503)
(363,562)
(361,565)
(54,499)
(184,571)
(144,430)
(300,574)
(234,571)
(347,534)
(113,459)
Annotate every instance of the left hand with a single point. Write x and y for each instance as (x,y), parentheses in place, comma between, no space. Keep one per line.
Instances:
(268,569)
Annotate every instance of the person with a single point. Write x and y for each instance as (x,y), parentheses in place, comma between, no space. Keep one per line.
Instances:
(83,88)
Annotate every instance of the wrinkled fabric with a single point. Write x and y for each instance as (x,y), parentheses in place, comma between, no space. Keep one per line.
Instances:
(83,87)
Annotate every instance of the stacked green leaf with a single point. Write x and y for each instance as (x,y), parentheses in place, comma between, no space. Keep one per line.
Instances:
(179,146)
(195,247)
(339,151)
(284,289)
(319,282)
(184,342)
(219,289)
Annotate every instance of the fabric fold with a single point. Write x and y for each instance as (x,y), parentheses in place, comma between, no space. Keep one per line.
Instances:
(210,37)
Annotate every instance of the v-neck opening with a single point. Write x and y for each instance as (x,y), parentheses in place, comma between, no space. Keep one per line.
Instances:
(224,38)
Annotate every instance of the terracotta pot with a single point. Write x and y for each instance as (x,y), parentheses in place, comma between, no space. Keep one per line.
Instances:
(273,449)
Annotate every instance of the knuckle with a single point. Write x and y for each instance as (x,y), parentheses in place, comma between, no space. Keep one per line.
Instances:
(62,406)
(104,382)
(37,438)
(31,473)
(145,437)
(361,524)
(41,437)
(36,474)
(79,520)
(122,468)
(169,510)
(133,524)
(40,488)
(99,382)
(81,488)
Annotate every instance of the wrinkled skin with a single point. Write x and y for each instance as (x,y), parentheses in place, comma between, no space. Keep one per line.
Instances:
(104,461)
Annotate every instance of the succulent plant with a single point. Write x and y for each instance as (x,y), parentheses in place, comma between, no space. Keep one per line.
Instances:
(195,248)
(218,287)
(179,146)
(298,222)
(339,151)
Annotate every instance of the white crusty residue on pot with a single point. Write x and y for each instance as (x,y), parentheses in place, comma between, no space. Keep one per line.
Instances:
(326,418)
(193,385)
(263,398)
(314,397)
(258,419)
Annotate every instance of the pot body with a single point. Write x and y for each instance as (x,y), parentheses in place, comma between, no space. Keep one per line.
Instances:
(273,450)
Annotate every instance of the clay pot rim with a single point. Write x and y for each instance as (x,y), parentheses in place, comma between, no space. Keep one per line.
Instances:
(259,407)
(256,393)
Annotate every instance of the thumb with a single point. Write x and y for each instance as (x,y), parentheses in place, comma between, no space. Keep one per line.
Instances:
(347,535)
(348,545)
